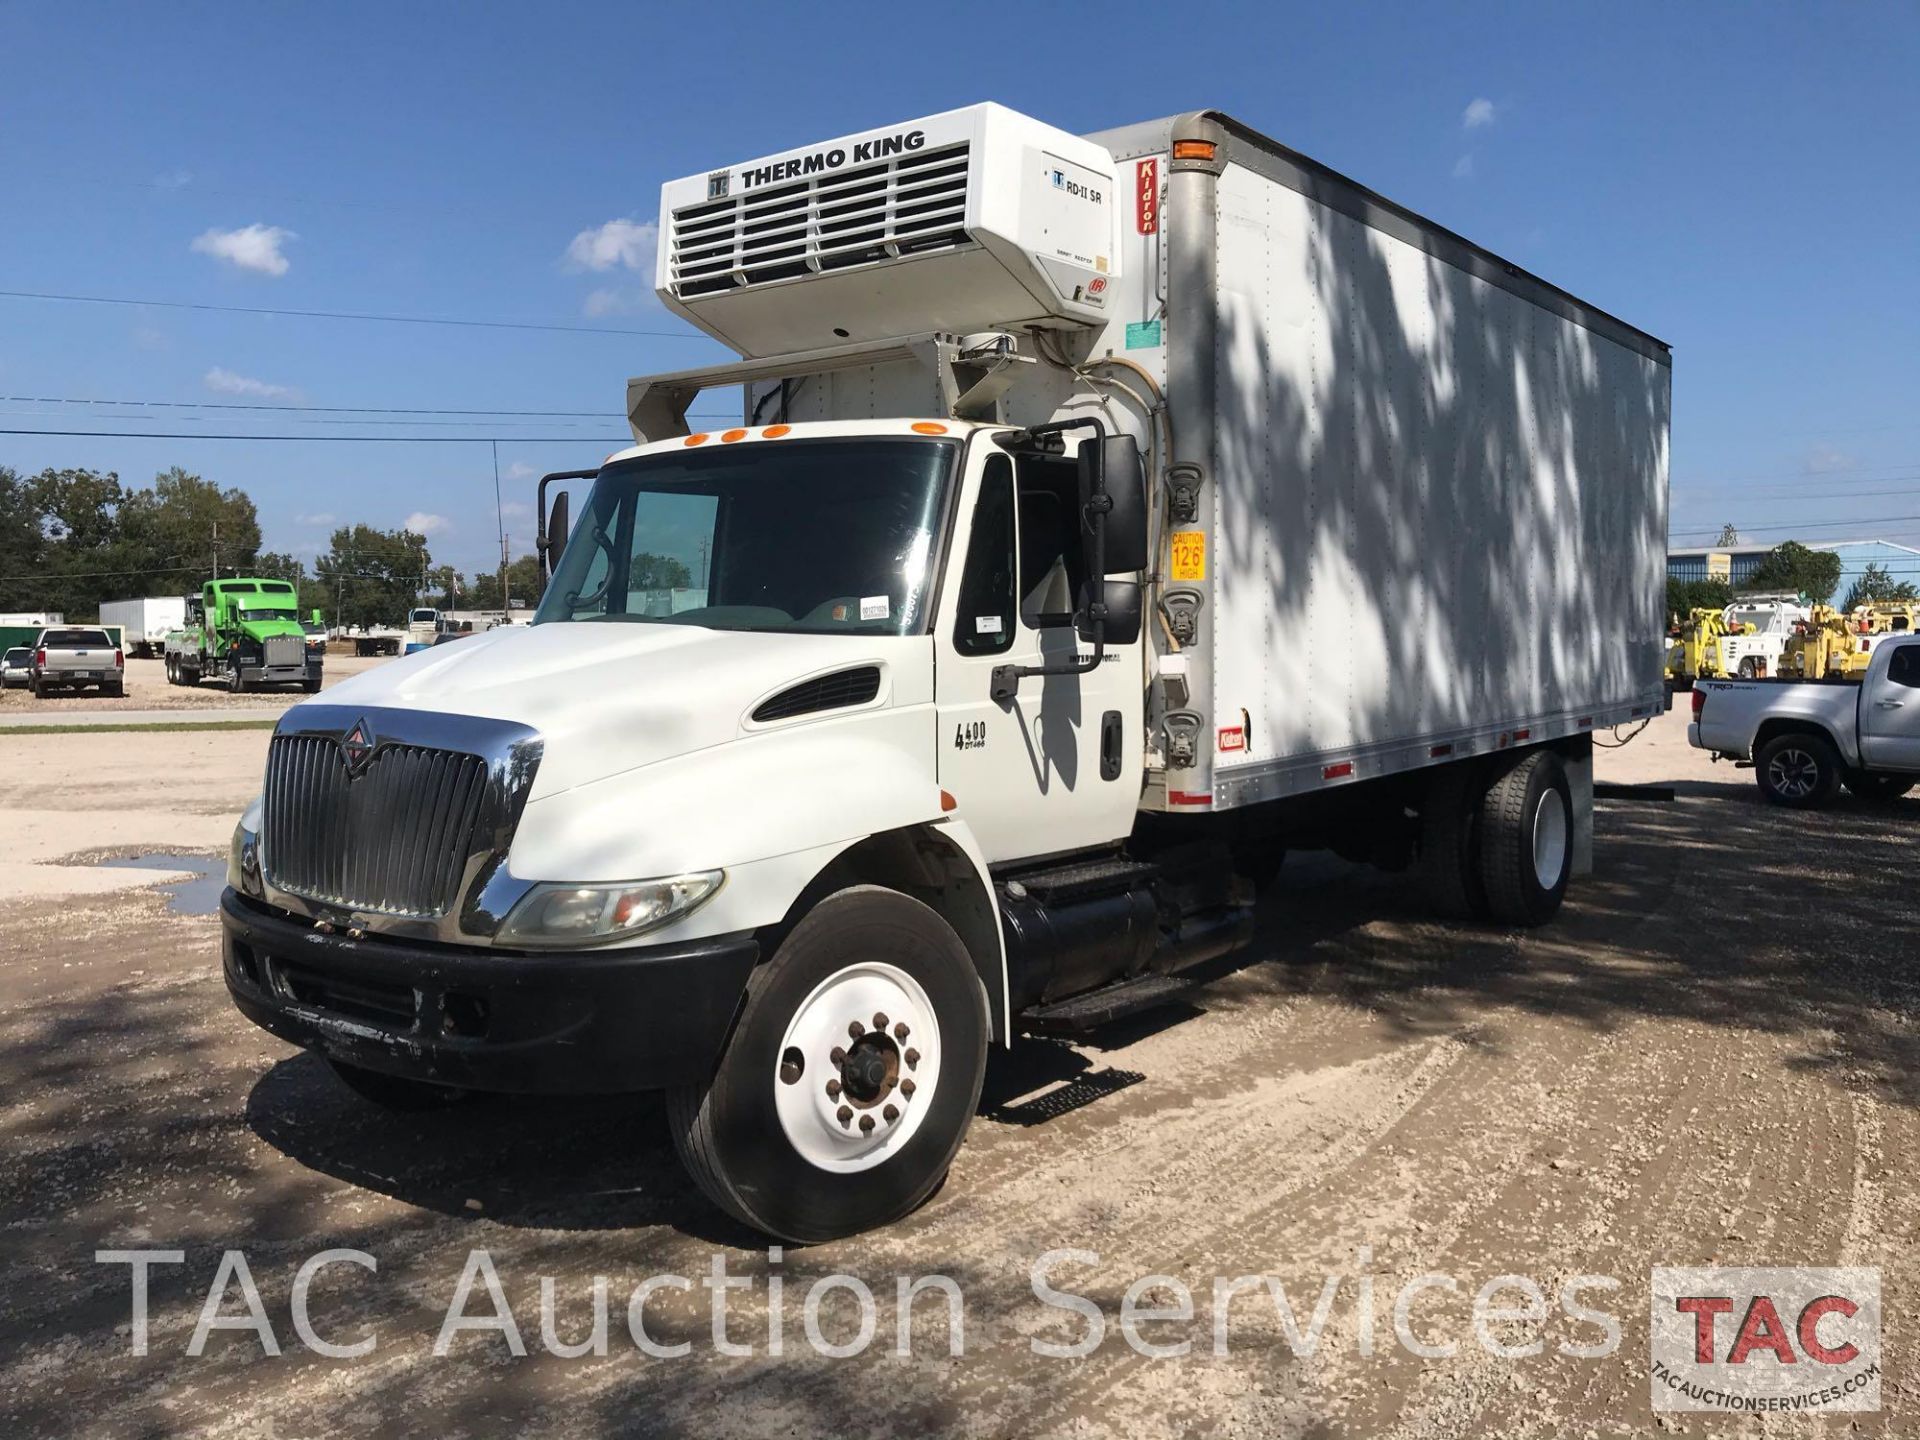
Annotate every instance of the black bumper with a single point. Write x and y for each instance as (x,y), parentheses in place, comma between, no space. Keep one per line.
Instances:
(551,1023)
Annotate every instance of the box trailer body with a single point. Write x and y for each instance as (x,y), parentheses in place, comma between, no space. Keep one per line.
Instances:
(147,621)
(1106,515)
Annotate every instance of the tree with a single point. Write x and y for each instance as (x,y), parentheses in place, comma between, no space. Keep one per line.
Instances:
(185,520)
(1729,535)
(371,577)
(658,572)
(1686,595)
(445,586)
(1792,566)
(1876,586)
(81,562)
(23,544)
(525,586)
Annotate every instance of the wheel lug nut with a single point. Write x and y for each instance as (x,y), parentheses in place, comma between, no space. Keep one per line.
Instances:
(833,1089)
(900,1031)
(837,1055)
(913,1058)
(854,1029)
(879,1020)
(866,1124)
(906,1088)
(890,1114)
(845,1113)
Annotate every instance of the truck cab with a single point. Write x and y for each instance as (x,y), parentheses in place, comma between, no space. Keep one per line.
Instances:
(247,633)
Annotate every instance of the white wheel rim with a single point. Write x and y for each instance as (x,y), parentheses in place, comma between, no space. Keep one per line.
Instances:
(887,1076)
(1549,839)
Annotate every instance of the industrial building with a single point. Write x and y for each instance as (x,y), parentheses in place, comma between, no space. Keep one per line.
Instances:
(1736,563)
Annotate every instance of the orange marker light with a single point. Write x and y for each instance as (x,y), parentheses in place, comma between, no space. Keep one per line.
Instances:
(699,439)
(774,432)
(733,435)
(928,427)
(947,802)
(1193,149)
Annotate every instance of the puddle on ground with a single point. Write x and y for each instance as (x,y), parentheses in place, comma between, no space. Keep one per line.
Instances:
(198,896)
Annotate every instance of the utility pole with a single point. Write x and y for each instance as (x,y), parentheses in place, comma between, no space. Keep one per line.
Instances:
(216,549)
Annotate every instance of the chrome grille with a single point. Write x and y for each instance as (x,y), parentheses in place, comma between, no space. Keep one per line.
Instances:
(835,220)
(394,839)
(286,650)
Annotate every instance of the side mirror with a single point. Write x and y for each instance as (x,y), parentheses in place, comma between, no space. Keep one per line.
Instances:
(557,528)
(1112,463)
(551,537)
(1122,599)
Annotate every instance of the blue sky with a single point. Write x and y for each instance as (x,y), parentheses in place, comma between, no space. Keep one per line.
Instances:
(1742,180)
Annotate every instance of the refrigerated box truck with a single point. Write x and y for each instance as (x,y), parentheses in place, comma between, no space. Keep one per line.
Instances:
(1106,516)
(146,622)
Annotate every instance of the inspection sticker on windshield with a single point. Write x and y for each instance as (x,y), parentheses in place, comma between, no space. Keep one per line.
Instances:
(874,607)
(1189,555)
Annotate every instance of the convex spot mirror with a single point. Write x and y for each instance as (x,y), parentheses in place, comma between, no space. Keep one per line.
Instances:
(1122,599)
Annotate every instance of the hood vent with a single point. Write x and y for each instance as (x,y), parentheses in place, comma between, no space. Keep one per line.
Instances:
(837,691)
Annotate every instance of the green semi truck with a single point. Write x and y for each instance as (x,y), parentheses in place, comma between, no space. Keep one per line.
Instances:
(247,633)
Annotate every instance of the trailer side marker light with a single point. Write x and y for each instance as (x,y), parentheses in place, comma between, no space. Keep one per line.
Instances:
(1586,722)
(1337,772)
(1522,734)
(697,439)
(928,427)
(733,435)
(947,802)
(1189,797)
(1194,149)
(774,432)
(1437,751)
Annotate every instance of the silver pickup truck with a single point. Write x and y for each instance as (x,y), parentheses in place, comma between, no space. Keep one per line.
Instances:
(70,656)
(1807,738)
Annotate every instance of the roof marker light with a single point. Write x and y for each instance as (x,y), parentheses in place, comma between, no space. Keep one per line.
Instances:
(774,432)
(700,438)
(733,435)
(928,427)
(1194,149)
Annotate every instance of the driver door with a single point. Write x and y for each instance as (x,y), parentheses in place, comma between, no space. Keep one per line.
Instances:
(1057,768)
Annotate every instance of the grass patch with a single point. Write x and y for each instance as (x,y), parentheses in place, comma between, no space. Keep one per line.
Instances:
(149,727)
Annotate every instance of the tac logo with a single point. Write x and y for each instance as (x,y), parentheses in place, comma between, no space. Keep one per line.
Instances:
(1766,1340)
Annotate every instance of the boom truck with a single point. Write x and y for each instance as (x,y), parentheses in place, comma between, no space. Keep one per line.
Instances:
(247,633)
(1106,516)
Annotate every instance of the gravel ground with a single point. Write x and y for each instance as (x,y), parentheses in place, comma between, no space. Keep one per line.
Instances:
(1708,1058)
(147,689)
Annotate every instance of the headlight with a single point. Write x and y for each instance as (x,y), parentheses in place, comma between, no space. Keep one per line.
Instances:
(243,854)
(554,914)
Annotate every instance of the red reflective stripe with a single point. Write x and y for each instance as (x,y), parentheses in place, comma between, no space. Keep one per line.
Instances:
(1189,797)
(1337,772)
(1521,734)
(1437,751)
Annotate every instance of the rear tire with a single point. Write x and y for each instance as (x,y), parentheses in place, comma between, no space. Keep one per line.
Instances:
(396,1092)
(804,1146)
(1449,857)
(1799,771)
(1526,840)
(1876,789)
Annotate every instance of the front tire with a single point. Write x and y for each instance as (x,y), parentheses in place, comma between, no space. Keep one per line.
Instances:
(1799,771)
(236,682)
(851,1075)
(1876,789)
(1526,840)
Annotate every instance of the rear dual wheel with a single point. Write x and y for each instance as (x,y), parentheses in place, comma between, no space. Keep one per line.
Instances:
(851,1075)
(1500,849)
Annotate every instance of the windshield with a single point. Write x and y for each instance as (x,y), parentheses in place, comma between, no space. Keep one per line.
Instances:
(265,609)
(818,536)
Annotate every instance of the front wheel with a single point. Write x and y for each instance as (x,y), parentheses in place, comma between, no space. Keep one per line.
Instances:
(1801,772)
(236,682)
(851,1075)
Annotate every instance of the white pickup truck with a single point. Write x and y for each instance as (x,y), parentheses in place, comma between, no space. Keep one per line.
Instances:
(1807,738)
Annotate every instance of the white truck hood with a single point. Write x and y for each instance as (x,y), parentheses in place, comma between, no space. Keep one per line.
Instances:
(608,697)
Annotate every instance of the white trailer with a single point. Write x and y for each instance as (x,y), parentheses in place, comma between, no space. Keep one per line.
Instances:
(1107,516)
(146,622)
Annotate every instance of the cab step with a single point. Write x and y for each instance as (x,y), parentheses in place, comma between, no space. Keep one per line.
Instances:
(1095,1008)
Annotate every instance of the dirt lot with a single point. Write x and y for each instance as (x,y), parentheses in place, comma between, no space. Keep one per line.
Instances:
(147,689)
(1710,1057)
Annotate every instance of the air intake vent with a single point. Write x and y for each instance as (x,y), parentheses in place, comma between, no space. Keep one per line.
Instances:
(837,220)
(830,692)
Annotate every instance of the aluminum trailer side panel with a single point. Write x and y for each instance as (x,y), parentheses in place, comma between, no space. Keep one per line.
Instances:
(1438,508)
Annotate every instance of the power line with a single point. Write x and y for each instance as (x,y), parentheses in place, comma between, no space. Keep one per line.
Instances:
(348,315)
(621,440)
(295,409)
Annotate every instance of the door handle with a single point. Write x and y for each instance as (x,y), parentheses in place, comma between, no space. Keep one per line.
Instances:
(1110,739)
(1890,704)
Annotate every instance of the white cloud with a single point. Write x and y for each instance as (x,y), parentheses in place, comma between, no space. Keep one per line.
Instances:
(515,510)
(421,523)
(1463,168)
(519,470)
(225,382)
(256,247)
(1480,112)
(1825,460)
(617,243)
(325,517)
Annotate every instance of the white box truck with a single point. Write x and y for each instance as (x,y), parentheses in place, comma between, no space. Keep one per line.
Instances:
(146,622)
(1107,515)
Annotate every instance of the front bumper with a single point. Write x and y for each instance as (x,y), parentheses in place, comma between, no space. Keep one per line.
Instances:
(277,674)
(587,1022)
